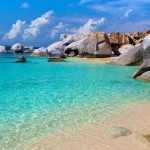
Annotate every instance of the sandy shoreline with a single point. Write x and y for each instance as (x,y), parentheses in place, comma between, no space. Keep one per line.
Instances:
(122,132)
(95,60)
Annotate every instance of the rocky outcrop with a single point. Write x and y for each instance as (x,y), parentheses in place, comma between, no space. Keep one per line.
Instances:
(95,44)
(20,59)
(130,58)
(17,48)
(2,49)
(39,52)
(117,40)
(143,72)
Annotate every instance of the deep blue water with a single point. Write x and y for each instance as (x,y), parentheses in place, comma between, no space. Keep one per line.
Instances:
(38,98)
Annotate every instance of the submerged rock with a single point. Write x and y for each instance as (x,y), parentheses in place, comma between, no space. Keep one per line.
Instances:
(2,49)
(50,59)
(20,59)
(130,58)
(116,132)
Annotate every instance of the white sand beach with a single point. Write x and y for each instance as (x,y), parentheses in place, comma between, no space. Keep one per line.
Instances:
(124,131)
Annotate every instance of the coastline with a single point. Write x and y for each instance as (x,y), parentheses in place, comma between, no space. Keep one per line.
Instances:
(106,135)
(95,60)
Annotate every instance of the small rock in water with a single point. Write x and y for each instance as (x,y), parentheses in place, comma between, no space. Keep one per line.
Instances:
(20,59)
(116,132)
(147,137)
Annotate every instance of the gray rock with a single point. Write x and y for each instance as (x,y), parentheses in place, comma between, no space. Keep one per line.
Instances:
(39,52)
(2,49)
(144,77)
(72,54)
(56,45)
(20,59)
(125,48)
(130,58)
(95,44)
(142,69)
(63,36)
(17,48)
(116,132)
(72,48)
(146,42)
(56,55)
(70,39)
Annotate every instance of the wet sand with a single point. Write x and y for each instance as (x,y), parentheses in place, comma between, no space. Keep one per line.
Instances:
(129,129)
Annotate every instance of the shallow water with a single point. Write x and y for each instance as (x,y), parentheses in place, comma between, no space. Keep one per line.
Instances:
(38,98)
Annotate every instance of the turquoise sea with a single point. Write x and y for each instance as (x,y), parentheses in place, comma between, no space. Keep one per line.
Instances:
(38,99)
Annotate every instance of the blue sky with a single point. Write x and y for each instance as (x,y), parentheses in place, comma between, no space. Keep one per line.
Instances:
(40,22)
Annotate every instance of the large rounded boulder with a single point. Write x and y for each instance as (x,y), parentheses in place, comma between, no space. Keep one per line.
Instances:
(132,57)
(72,48)
(2,49)
(146,46)
(56,55)
(39,52)
(95,44)
(56,45)
(143,72)
(125,48)
(17,48)
(70,39)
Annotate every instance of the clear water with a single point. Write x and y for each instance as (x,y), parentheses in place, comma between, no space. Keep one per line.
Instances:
(38,98)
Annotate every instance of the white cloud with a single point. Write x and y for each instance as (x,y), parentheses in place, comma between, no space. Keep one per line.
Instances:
(57,29)
(15,30)
(34,27)
(25,5)
(90,26)
(128,12)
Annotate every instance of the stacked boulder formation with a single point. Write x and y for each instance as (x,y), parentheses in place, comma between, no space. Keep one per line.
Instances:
(143,72)
(98,44)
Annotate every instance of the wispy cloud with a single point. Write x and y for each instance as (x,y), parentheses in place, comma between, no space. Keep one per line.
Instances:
(34,27)
(84,1)
(128,12)
(58,28)
(88,27)
(16,30)
(25,5)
